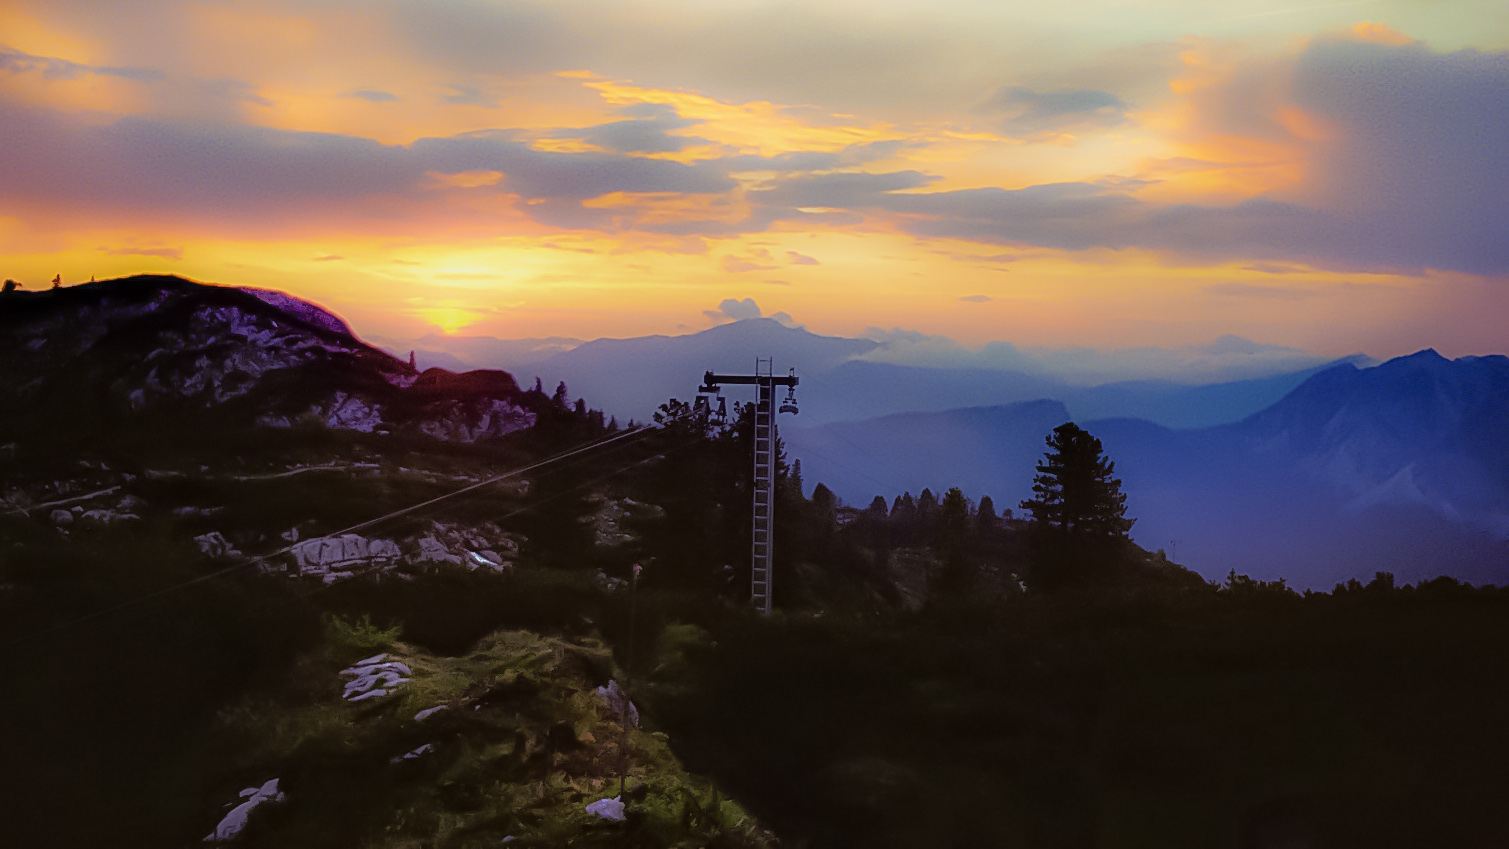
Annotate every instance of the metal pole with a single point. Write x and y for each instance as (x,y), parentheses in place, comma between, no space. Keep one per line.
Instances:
(762,534)
(762,539)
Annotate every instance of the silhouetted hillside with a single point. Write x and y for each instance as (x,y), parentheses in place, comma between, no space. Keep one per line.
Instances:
(164,352)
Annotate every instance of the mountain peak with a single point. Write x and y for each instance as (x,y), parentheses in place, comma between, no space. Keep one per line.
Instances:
(1425,356)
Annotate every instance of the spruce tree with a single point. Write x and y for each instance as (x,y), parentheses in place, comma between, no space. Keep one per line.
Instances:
(985,516)
(1079,523)
(954,545)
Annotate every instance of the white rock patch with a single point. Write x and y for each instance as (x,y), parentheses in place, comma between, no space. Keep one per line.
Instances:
(412,755)
(608,809)
(619,704)
(234,821)
(214,544)
(373,678)
(332,557)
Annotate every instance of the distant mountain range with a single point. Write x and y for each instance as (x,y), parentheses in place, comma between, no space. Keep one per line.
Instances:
(631,377)
(1316,476)
(1402,467)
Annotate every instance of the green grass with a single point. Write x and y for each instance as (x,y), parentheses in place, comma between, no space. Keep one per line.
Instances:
(523,747)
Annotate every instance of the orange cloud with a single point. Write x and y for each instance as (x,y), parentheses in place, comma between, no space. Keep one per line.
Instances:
(1233,128)
(1380,34)
(758,127)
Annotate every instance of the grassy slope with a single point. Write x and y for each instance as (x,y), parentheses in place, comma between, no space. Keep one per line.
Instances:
(524,746)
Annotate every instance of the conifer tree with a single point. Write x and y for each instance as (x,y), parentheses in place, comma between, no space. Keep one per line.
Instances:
(1075,490)
(955,543)
(824,502)
(1078,511)
(985,516)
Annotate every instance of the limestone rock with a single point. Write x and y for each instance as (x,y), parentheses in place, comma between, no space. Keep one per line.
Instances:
(608,809)
(235,821)
(214,544)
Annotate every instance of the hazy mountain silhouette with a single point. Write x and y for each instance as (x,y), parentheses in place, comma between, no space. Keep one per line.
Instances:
(1401,467)
(631,377)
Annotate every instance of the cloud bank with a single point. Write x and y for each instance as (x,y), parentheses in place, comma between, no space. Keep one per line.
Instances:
(1403,159)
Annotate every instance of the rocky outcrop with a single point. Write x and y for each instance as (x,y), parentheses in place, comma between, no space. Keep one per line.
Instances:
(475,421)
(484,546)
(611,520)
(302,310)
(334,558)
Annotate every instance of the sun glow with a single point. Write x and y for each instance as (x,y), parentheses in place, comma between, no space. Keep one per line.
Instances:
(449,318)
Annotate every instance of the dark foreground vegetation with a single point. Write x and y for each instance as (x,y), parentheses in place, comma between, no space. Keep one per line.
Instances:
(1245,720)
(940,673)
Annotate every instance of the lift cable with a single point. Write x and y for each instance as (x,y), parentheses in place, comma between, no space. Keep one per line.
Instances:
(235,567)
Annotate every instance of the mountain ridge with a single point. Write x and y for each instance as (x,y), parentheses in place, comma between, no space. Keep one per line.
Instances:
(100,355)
(1354,471)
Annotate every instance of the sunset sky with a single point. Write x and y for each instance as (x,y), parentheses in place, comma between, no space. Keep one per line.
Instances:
(1325,176)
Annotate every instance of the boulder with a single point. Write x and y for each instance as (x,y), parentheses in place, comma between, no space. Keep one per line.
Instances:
(214,544)
(618,702)
(348,552)
(608,809)
(432,550)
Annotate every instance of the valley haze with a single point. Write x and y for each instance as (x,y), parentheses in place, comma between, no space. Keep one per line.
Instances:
(1315,474)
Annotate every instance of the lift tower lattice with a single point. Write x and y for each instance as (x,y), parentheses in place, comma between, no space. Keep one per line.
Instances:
(762,538)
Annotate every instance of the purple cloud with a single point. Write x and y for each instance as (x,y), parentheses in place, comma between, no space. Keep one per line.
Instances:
(1029,111)
(648,130)
(16,62)
(733,309)
(467,95)
(372,96)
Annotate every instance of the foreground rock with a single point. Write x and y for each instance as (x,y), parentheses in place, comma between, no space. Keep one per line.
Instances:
(235,821)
